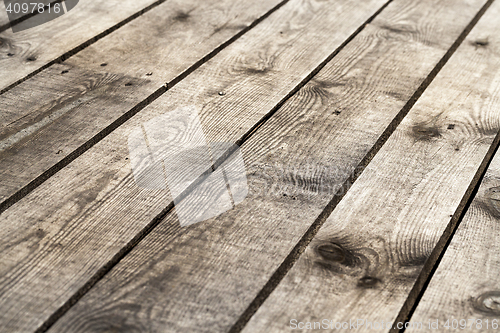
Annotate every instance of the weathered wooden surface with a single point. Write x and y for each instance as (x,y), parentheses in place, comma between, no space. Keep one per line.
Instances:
(46,118)
(465,284)
(203,277)
(366,258)
(60,235)
(26,52)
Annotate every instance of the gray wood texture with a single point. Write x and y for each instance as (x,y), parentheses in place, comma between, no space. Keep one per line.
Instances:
(365,260)
(46,118)
(203,277)
(55,240)
(465,284)
(25,52)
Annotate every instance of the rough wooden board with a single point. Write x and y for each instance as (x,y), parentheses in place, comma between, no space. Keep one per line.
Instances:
(203,277)
(366,258)
(34,48)
(57,238)
(465,284)
(46,118)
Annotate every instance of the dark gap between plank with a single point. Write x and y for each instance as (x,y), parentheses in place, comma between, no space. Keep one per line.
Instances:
(25,190)
(447,235)
(437,254)
(101,135)
(299,248)
(84,44)
(150,226)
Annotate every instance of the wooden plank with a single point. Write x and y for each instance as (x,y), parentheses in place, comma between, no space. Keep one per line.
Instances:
(87,214)
(46,118)
(203,277)
(27,52)
(370,258)
(465,284)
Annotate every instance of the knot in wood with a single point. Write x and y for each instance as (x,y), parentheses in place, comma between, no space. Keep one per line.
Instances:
(332,252)
(489,302)
(492,202)
(425,132)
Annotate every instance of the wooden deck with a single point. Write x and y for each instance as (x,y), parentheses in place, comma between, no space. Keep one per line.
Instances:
(370,193)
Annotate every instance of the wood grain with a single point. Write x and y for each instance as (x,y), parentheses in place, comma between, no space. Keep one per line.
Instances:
(366,258)
(465,284)
(203,277)
(46,118)
(56,239)
(26,52)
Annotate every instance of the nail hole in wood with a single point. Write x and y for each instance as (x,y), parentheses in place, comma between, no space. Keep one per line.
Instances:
(368,282)
(182,17)
(481,42)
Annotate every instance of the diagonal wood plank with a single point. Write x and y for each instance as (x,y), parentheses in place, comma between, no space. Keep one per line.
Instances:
(203,277)
(465,284)
(25,53)
(46,118)
(56,240)
(369,259)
